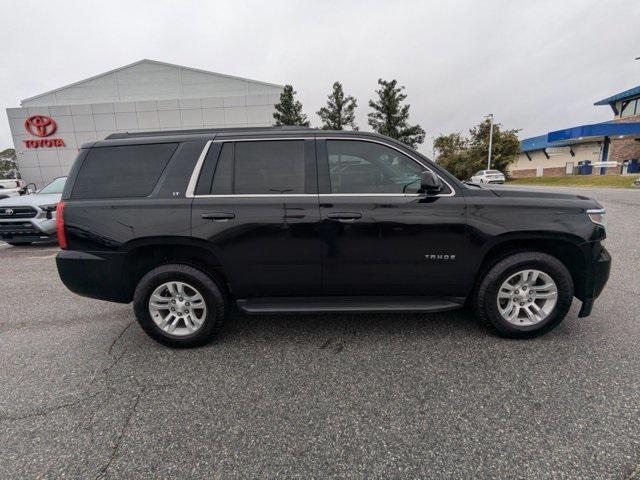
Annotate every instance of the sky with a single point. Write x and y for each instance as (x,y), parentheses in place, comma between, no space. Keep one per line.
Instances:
(536,65)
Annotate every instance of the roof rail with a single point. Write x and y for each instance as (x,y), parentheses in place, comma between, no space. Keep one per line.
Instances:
(203,131)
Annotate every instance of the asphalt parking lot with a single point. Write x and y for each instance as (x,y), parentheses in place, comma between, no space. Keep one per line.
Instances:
(86,394)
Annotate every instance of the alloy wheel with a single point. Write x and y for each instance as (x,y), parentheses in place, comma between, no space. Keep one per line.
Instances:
(527,297)
(177,308)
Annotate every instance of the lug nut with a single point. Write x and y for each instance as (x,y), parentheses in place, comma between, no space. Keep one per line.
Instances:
(186,311)
(524,288)
(173,309)
(522,304)
(516,292)
(173,301)
(187,304)
(180,298)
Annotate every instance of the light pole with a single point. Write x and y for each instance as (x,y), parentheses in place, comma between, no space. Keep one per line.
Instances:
(433,149)
(490,140)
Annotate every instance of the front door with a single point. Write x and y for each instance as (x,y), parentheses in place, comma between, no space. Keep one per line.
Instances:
(256,205)
(379,235)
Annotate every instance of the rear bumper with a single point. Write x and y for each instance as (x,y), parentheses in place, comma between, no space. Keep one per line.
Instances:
(95,275)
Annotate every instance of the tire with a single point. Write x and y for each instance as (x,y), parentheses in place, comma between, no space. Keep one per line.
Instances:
(212,296)
(488,306)
(19,244)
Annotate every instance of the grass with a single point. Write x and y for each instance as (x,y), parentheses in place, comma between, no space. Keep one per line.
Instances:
(613,181)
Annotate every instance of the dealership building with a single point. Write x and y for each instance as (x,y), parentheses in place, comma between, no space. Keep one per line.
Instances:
(48,129)
(611,147)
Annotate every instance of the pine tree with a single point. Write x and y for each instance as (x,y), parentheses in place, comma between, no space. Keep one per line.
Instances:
(8,165)
(390,117)
(289,110)
(340,110)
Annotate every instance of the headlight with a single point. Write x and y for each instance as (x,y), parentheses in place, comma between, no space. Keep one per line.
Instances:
(49,210)
(597,216)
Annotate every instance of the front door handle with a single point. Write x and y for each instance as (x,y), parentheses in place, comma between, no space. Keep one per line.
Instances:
(218,216)
(344,216)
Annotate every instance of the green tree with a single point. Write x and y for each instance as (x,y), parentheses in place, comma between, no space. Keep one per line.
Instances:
(340,110)
(289,110)
(390,117)
(463,156)
(8,165)
(447,145)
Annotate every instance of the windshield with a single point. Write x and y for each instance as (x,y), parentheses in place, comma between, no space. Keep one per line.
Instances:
(56,186)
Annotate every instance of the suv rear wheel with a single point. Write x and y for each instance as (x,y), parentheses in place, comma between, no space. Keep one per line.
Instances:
(179,306)
(525,294)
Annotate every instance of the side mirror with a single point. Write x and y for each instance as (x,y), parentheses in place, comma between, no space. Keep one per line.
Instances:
(31,188)
(430,184)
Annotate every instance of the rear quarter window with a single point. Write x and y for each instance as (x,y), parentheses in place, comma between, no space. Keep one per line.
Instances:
(122,171)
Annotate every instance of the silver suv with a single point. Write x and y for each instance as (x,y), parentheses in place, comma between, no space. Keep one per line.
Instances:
(31,218)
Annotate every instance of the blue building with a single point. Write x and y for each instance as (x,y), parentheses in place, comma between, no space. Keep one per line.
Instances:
(611,147)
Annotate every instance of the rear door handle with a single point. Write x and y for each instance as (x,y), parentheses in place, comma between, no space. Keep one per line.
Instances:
(344,216)
(218,216)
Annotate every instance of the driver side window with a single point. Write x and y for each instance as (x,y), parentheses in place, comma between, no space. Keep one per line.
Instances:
(367,167)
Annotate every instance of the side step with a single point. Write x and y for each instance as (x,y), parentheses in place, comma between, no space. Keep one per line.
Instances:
(268,305)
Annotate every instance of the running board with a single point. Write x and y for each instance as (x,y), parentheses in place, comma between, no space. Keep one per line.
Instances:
(269,305)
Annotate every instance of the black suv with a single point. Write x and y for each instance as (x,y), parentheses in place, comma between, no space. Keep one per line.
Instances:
(297,220)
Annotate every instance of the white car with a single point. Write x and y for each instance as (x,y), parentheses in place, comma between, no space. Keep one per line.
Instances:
(488,176)
(31,218)
(12,187)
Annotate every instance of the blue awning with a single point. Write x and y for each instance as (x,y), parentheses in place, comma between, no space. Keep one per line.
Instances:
(597,130)
(632,92)
(534,143)
(582,133)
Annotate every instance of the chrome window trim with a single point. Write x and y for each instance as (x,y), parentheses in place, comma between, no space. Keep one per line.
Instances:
(191,187)
(370,195)
(196,171)
(257,195)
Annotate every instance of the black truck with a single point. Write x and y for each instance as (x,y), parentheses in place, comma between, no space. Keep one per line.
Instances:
(187,224)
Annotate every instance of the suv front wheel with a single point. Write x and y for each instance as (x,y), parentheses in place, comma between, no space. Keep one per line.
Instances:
(179,306)
(525,294)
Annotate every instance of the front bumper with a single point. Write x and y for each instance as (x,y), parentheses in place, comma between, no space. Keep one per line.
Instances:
(28,230)
(30,224)
(597,276)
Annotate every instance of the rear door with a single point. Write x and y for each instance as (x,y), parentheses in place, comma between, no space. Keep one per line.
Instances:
(380,236)
(256,204)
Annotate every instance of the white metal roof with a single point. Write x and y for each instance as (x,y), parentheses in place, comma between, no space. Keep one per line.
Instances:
(219,77)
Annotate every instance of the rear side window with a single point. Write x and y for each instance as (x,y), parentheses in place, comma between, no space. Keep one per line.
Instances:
(260,167)
(272,167)
(223,178)
(122,171)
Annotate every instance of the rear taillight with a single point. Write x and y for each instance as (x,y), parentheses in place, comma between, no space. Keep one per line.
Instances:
(62,237)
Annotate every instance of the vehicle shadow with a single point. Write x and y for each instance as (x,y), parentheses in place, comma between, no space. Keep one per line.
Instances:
(290,327)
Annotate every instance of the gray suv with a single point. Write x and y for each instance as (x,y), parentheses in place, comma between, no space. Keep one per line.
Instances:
(31,218)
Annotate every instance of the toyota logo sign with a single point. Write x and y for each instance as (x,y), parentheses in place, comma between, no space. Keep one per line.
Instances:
(40,125)
(8,211)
